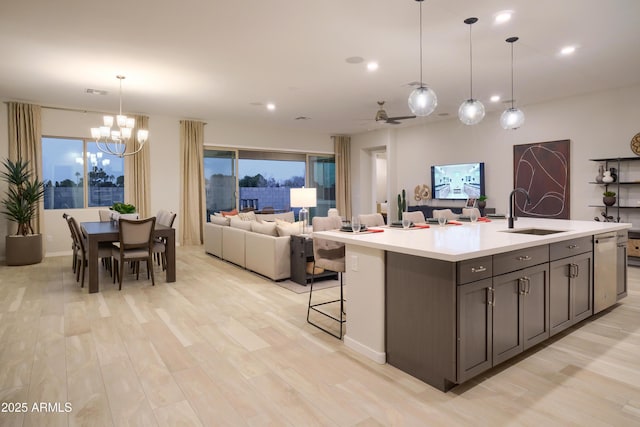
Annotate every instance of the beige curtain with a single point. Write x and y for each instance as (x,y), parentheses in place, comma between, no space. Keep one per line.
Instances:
(25,142)
(137,175)
(191,171)
(342,150)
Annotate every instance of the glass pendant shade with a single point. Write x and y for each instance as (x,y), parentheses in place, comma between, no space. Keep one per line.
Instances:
(512,118)
(423,101)
(471,112)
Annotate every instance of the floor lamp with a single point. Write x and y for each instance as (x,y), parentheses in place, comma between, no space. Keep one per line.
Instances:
(303,198)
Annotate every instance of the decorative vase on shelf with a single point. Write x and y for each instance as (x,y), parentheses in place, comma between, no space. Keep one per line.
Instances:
(600,174)
(614,175)
(609,200)
(607,178)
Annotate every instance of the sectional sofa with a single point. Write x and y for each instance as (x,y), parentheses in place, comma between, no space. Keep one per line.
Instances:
(257,242)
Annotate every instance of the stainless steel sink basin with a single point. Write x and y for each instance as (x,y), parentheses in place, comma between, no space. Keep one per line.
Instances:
(533,231)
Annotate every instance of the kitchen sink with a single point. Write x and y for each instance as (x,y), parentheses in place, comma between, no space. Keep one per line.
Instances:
(533,231)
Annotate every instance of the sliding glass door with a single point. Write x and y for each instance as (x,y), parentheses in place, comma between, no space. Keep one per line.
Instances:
(221,180)
(322,176)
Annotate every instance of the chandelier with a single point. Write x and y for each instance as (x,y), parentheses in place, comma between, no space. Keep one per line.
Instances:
(113,140)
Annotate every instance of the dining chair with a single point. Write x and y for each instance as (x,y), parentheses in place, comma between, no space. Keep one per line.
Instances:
(469,211)
(328,255)
(75,247)
(446,213)
(80,242)
(105,215)
(135,244)
(371,220)
(415,217)
(166,218)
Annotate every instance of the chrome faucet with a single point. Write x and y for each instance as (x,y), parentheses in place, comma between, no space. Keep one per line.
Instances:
(512,202)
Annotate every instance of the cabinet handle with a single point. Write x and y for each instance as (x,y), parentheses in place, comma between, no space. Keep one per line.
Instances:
(479,269)
(491,301)
(521,285)
(528,285)
(524,258)
(572,246)
(577,267)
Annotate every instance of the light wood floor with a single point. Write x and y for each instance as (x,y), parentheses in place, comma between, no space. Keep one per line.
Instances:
(222,346)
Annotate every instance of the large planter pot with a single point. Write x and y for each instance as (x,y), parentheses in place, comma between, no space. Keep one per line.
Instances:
(24,250)
(609,200)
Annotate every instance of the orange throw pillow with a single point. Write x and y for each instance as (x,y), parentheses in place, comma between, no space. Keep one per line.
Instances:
(230,213)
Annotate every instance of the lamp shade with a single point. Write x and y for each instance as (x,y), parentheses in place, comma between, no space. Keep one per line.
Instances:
(303,197)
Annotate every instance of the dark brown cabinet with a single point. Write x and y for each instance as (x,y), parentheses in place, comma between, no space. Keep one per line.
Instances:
(475,329)
(571,293)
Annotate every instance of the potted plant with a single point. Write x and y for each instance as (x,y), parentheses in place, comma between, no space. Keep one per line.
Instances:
(609,198)
(124,210)
(20,204)
(482,202)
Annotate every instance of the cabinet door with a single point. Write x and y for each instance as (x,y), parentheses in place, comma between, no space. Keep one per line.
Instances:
(582,297)
(535,295)
(507,316)
(474,328)
(560,273)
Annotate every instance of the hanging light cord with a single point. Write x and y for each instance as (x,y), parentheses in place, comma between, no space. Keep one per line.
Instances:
(470,64)
(512,75)
(421,84)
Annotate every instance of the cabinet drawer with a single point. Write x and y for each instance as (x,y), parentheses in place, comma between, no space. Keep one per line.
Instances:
(522,258)
(570,247)
(474,269)
(633,247)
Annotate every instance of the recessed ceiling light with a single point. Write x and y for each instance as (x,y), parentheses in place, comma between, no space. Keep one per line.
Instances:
(502,17)
(567,50)
(354,60)
(271,106)
(494,98)
(372,66)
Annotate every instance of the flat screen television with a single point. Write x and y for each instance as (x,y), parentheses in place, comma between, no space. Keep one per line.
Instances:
(457,182)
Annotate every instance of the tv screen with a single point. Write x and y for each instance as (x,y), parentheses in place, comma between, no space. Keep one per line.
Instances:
(457,182)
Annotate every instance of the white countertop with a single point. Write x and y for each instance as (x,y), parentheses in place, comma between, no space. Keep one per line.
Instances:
(470,240)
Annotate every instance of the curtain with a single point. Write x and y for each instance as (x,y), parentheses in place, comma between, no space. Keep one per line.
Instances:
(137,172)
(342,150)
(191,171)
(25,142)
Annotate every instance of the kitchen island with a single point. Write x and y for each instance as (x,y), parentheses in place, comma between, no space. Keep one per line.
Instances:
(448,302)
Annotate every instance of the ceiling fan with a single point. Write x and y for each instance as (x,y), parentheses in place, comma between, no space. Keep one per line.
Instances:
(381,116)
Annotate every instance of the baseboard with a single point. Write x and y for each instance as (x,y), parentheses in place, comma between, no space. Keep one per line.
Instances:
(376,356)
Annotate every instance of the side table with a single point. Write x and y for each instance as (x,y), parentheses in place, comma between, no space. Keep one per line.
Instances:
(301,254)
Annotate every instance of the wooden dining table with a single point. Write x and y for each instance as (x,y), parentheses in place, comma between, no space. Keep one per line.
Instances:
(107,231)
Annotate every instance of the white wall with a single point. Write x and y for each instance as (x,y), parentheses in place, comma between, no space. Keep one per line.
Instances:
(598,125)
(164,141)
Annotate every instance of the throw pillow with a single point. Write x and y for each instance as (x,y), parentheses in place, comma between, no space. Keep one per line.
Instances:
(219,220)
(238,223)
(268,228)
(229,213)
(247,216)
(289,228)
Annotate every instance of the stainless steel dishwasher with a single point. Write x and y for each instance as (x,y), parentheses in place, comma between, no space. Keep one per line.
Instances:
(605,253)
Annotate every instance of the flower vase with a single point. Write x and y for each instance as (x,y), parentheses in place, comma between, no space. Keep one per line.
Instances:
(600,174)
(607,178)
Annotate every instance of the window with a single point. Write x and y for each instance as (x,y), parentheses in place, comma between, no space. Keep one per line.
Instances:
(257,180)
(69,163)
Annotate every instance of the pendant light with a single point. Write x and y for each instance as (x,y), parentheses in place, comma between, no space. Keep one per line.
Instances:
(471,112)
(512,118)
(423,100)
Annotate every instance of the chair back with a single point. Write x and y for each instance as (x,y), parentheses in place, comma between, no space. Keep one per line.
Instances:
(444,213)
(415,217)
(105,215)
(371,220)
(327,253)
(165,217)
(469,211)
(76,234)
(136,233)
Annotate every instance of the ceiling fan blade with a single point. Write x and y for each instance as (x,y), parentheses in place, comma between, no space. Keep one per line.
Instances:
(401,118)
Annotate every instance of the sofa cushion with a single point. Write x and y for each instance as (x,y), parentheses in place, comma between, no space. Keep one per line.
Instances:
(268,228)
(247,216)
(238,223)
(284,216)
(219,220)
(289,229)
